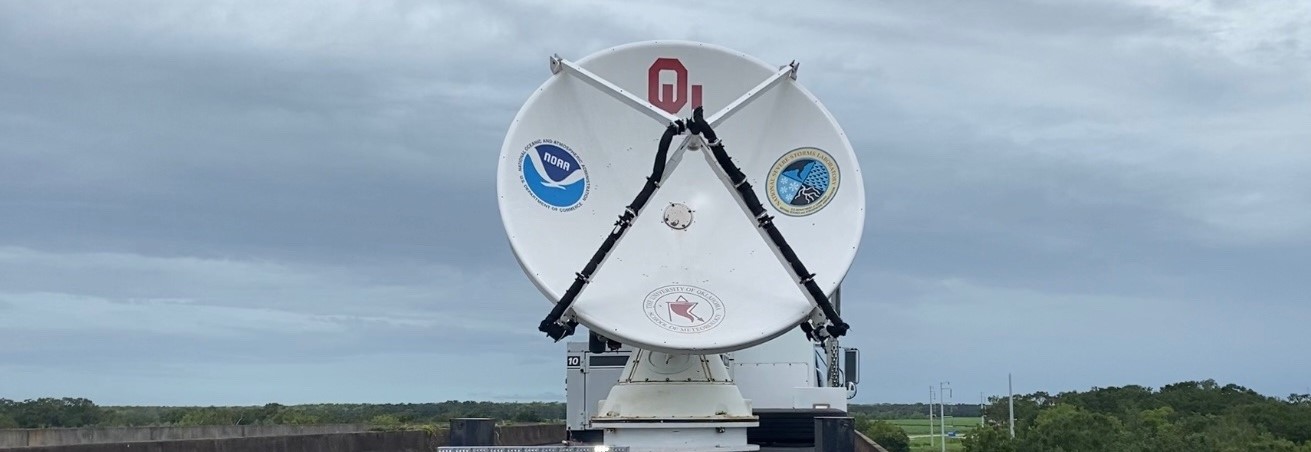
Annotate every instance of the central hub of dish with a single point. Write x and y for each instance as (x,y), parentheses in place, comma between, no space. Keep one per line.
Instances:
(678,216)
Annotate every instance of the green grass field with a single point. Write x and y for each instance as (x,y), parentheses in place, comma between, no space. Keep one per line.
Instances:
(921,426)
(923,445)
(918,430)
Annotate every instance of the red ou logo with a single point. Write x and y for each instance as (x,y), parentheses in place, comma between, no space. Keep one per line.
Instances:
(667,97)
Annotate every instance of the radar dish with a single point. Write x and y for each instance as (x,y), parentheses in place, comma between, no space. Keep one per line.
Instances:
(693,273)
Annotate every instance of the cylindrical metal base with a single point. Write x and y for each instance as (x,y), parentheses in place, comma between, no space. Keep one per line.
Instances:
(680,437)
(676,403)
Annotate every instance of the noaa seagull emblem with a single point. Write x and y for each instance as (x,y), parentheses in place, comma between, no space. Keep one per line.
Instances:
(553,174)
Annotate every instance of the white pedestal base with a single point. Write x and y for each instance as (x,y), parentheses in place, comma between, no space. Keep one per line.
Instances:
(669,402)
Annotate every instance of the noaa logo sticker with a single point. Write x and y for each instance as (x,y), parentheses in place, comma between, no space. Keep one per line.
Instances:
(684,309)
(553,174)
(802,182)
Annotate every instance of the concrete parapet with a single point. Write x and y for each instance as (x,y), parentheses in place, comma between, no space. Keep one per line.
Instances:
(30,437)
(530,435)
(269,439)
(864,444)
(13,438)
(412,441)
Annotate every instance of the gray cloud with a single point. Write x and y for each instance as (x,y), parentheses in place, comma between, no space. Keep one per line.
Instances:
(1085,193)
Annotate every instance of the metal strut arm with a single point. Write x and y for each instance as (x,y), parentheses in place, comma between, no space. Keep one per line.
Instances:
(698,125)
(551,325)
(559,64)
(785,72)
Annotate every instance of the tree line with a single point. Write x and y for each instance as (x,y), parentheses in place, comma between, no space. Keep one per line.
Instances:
(1189,416)
(888,411)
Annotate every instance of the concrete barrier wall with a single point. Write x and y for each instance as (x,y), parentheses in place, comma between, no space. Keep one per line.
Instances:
(93,435)
(530,435)
(864,444)
(404,441)
(13,438)
(411,441)
(515,435)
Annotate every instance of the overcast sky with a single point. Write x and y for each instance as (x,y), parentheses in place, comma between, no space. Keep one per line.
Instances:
(248,202)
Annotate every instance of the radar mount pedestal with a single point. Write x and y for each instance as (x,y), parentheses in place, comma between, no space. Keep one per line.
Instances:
(667,402)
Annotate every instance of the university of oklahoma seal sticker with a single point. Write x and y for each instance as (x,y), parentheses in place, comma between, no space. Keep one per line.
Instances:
(802,182)
(683,308)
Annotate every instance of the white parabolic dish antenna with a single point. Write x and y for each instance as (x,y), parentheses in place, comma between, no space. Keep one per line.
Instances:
(694,271)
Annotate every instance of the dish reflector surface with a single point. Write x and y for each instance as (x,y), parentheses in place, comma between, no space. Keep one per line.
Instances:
(693,274)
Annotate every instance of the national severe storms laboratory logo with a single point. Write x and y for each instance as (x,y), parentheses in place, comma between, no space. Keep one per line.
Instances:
(553,174)
(802,181)
(683,309)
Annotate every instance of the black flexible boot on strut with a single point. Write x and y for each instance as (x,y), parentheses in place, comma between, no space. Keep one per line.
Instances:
(551,325)
(698,125)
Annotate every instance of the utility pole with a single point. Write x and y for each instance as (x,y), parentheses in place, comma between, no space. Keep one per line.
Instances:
(981,420)
(931,440)
(943,390)
(1010,389)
